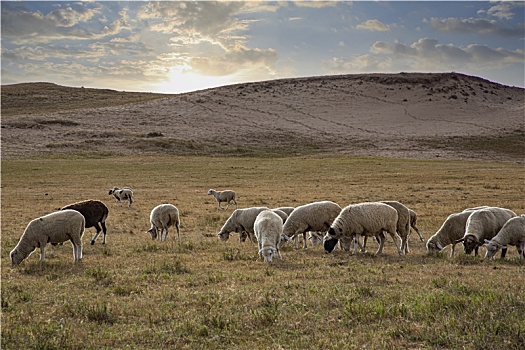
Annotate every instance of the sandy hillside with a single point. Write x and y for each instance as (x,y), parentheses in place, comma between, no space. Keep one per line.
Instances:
(402,115)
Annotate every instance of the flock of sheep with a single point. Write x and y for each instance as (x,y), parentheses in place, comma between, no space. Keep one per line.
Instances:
(494,227)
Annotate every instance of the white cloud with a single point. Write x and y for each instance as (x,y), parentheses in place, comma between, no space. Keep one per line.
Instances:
(477,25)
(502,11)
(373,25)
(426,54)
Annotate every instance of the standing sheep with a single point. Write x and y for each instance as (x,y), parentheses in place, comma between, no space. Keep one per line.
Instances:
(224,196)
(512,233)
(162,217)
(122,194)
(403,223)
(268,228)
(413,222)
(484,224)
(365,219)
(241,221)
(316,216)
(57,227)
(95,213)
(287,210)
(452,229)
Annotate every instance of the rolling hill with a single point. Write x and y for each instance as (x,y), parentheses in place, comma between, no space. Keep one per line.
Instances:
(408,115)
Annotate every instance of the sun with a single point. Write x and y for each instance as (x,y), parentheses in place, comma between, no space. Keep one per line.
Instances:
(181,79)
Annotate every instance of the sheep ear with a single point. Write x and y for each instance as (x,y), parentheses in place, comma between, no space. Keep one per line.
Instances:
(504,247)
(439,246)
(487,241)
(460,240)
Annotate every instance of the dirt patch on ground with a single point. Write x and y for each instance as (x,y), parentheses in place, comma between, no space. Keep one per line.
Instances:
(449,116)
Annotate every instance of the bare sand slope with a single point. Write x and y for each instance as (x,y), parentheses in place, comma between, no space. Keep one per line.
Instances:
(402,115)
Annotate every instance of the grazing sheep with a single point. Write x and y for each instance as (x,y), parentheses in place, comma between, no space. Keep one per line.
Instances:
(452,229)
(54,228)
(122,194)
(224,196)
(316,216)
(95,213)
(484,224)
(365,219)
(413,222)
(162,217)
(281,214)
(403,223)
(512,233)
(268,228)
(240,221)
(287,210)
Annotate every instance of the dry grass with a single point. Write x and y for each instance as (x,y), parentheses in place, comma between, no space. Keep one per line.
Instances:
(52,98)
(206,294)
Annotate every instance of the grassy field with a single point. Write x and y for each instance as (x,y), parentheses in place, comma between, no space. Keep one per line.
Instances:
(206,294)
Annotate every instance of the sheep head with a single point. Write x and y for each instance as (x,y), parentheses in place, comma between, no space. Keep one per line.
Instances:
(470,242)
(16,257)
(153,232)
(267,253)
(329,240)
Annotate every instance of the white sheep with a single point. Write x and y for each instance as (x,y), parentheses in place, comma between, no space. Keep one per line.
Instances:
(403,223)
(365,219)
(121,194)
(316,216)
(512,233)
(413,224)
(268,228)
(57,227)
(241,221)
(281,214)
(287,210)
(452,229)
(224,196)
(162,217)
(95,213)
(484,224)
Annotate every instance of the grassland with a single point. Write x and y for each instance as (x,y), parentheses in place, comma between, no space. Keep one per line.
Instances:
(207,294)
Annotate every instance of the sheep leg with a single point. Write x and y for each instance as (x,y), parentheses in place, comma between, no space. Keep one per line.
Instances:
(503,253)
(304,240)
(103,224)
(165,234)
(227,205)
(418,233)
(97,234)
(178,232)
(393,235)
(381,244)
(234,201)
(279,254)
(42,251)
(77,248)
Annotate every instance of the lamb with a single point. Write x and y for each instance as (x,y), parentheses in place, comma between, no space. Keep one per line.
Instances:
(512,233)
(122,194)
(241,220)
(54,228)
(452,229)
(268,228)
(95,213)
(484,224)
(366,219)
(413,222)
(316,216)
(162,217)
(224,196)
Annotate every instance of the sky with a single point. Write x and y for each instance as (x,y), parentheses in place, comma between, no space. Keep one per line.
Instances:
(182,46)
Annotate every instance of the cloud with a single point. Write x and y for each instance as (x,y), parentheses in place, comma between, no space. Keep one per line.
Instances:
(425,54)
(502,11)
(477,25)
(233,61)
(373,25)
